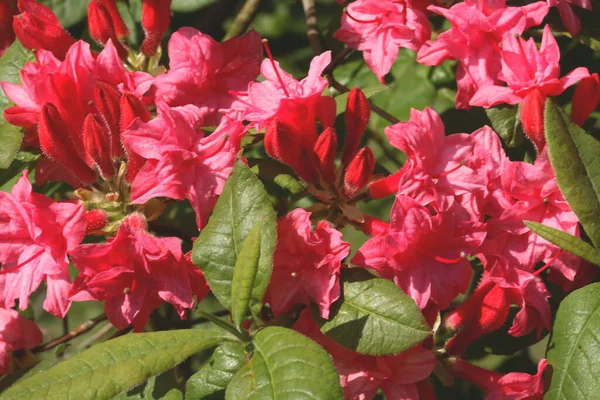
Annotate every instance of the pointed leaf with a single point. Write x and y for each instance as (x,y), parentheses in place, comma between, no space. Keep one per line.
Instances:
(250,277)
(374,316)
(115,366)
(212,379)
(507,123)
(285,365)
(163,387)
(243,202)
(574,157)
(566,241)
(574,348)
(10,142)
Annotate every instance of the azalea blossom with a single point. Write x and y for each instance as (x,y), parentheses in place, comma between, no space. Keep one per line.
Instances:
(36,234)
(181,161)
(379,28)
(134,273)
(568,17)
(16,333)
(307,264)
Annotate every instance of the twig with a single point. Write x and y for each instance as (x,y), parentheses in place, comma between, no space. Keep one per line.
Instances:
(243,19)
(96,336)
(337,60)
(312,30)
(80,330)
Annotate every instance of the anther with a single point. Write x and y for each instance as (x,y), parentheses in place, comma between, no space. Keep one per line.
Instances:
(265,43)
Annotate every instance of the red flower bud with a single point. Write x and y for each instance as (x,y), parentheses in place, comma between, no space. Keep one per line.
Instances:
(281,143)
(38,28)
(107,100)
(120,28)
(356,117)
(359,171)
(95,220)
(132,108)
(385,186)
(325,148)
(585,99)
(96,141)
(532,117)
(156,16)
(59,146)
(373,226)
(103,26)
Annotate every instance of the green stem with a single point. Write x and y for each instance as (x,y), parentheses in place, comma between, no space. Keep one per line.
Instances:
(220,322)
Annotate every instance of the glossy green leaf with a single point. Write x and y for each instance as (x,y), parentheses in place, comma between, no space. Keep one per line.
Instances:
(506,121)
(373,316)
(10,64)
(185,6)
(212,379)
(574,157)
(163,387)
(250,277)
(285,365)
(10,142)
(574,348)
(115,366)
(566,241)
(243,202)
(280,174)
(70,12)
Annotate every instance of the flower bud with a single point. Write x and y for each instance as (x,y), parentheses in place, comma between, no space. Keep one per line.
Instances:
(532,117)
(102,24)
(359,171)
(107,100)
(585,99)
(95,220)
(38,28)
(356,118)
(385,186)
(373,226)
(58,145)
(96,141)
(132,108)
(156,16)
(325,148)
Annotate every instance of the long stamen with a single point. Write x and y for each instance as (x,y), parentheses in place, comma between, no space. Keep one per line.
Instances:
(448,260)
(265,43)
(30,259)
(548,264)
(360,21)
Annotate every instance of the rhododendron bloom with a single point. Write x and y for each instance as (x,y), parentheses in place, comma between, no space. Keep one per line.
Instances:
(307,263)
(209,74)
(423,252)
(478,28)
(134,273)
(379,28)
(36,234)
(181,161)
(568,17)
(401,376)
(16,333)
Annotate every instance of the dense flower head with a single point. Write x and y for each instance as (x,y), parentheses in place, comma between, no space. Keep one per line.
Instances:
(307,263)
(134,273)
(16,333)
(36,234)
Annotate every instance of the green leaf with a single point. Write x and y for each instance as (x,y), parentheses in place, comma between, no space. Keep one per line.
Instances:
(285,365)
(126,12)
(117,365)
(373,316)
(163,386)
(506,121)
(250,277)
(10,142)
(212,379)
(280,174)
(10,64)
(566,241)
(243,202)
(186,6)
(574,348)
(574,157)
(70,12)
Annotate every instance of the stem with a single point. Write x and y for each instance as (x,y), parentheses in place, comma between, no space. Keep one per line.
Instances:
(220,322)
(97,336)
(80,330)
(243,19)
(312,30)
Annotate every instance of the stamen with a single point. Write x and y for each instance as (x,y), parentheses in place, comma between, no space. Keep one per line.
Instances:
(265,43)
(372,21)
(548,264)
(30,259)
(448,260)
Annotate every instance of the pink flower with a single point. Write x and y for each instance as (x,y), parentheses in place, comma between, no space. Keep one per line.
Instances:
(568,17)
(209,74)
(513,386)
(307,264)
(16,333)
(134,273)
(478,28)
(379,28)
(296,103)
(401,376)
(424,252)
(36,234)
(181,161)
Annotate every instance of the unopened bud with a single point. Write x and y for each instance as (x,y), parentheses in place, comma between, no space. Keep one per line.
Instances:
(132,108)
(107,100)
(156,17)
(95,220)
(532,117)
(356,118)
(585,99)
(325,148)
(385,186)
(96,141)
(102,25)
(359,171)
